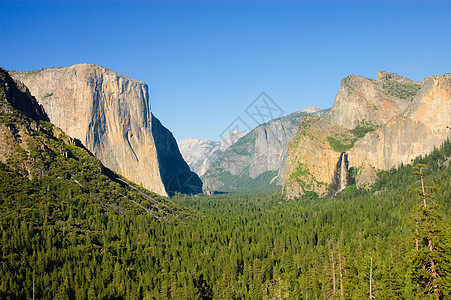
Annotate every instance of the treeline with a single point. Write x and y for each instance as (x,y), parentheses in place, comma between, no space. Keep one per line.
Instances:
(60,243)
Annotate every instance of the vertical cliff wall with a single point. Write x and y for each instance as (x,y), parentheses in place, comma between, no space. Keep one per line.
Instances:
(110,114)
(423,126)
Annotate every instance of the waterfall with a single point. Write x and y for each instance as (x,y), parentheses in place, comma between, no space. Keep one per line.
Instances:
(342,176)
(343,172)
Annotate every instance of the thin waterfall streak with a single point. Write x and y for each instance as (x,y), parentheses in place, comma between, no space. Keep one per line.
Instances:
(343,172)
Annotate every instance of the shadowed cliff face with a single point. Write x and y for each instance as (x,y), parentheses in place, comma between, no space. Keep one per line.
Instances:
(19,97)
(15,97)
(175,172)
(110,114)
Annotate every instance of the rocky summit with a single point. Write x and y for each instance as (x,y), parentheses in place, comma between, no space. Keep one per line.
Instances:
(375,125)
(110,114)
(363,101)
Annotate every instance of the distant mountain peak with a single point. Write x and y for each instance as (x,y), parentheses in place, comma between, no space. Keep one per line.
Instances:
(232,137)
(311,110)
(200,153)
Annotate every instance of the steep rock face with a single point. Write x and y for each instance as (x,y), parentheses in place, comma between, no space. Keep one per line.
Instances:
(16,94)
(25,132)
(257,160)
(311,159)
(39,162)
(270,147)
(110,114)
(175,172)
(425,124)
(398,138)
(362,101)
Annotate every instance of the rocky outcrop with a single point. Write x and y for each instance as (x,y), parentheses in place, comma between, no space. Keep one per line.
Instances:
(423,126)
(257,160)
(14,96)
(25,131)
(311,110)
(110,114)
(378,124)
(311,158)
(362,101)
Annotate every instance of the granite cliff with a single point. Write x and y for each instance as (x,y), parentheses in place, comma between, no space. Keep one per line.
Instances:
(110,114)
(363,101)
(311,157)
(423,126)
(375,125)
(41,165)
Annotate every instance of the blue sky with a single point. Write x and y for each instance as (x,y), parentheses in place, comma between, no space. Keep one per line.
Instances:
(206,61)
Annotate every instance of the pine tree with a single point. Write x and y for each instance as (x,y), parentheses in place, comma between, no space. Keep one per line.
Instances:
(427,255)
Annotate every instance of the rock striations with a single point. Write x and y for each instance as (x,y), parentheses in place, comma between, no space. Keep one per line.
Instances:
(110,114)
(373,125)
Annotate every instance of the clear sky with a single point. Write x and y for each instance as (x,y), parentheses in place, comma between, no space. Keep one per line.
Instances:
(206,61)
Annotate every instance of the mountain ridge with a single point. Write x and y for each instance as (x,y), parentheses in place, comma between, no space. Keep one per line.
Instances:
(200,153)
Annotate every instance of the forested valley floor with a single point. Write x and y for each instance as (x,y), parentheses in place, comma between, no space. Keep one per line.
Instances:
(77,239)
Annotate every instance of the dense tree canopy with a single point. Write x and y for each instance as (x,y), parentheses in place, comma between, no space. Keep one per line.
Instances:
(76,235)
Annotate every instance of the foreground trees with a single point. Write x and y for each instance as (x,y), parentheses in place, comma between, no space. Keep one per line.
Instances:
(62,244)
(431,256)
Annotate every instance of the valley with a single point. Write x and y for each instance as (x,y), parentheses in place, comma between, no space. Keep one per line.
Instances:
(72,228)
(225,150)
